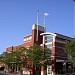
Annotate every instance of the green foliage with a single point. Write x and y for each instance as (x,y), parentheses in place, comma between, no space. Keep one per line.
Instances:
(6,58)
(37,54)
(70,49)
(15,57)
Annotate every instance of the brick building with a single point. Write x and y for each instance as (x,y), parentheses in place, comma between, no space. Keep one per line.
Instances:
(53,41)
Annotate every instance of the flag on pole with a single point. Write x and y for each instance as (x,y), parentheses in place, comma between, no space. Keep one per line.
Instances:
(46,14)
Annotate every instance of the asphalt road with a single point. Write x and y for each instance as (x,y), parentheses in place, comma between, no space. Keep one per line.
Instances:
(3,74)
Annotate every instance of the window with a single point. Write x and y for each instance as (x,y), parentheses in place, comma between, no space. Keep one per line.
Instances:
(49,46)
(48,38)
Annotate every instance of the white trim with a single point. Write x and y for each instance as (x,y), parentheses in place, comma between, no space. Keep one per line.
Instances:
(43,39)
(34,26)
(53,38)
(48,33)
(27,38)
(48,43)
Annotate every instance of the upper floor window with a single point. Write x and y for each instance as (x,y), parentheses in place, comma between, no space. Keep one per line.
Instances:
(48,38)
(28,38)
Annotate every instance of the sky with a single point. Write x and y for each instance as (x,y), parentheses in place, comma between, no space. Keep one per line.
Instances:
(18,16)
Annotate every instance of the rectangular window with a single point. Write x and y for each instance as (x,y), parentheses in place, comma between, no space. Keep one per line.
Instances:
(48,38)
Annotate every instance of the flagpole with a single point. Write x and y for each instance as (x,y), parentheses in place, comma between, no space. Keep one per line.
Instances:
(37,24)
(45,14)
(44,22)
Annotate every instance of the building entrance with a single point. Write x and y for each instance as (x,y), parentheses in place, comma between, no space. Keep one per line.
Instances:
(59,67)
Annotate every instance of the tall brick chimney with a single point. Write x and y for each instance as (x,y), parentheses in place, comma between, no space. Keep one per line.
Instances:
(34,34)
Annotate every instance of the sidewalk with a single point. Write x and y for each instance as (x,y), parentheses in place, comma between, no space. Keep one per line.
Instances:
(8,73)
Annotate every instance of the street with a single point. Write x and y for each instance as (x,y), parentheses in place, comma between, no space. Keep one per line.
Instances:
(3,74)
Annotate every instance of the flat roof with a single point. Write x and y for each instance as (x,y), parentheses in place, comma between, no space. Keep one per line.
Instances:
(56,35)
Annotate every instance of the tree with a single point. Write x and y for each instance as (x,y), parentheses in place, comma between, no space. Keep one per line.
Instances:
(35,54)
(38,55)
(15,58)
(6,58)
(18,56)
(69,48)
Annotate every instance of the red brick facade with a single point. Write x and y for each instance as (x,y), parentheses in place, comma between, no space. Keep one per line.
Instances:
(57,45)
(30,39)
